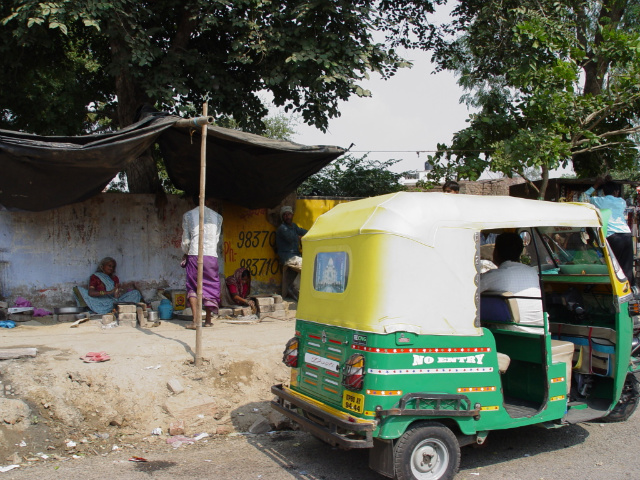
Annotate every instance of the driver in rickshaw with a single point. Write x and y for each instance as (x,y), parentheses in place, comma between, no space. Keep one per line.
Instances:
(515,277)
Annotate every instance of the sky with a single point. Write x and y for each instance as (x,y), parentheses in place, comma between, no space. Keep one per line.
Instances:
(414,110)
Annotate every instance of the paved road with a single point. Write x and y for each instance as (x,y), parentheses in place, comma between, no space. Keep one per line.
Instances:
(587,452)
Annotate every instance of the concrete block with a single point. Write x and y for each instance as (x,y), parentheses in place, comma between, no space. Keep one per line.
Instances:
(225,312)
(175,386)
(264,301)
(108,318)
(128,316)
(277,299)
(246,311)
(126,309)
(280,314)
(278,306)
(266,308)
(187,406)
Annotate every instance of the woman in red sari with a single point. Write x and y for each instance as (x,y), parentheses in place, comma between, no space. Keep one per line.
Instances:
(239,285)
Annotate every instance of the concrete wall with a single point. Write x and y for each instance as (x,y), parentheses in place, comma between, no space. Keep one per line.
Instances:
(44,255)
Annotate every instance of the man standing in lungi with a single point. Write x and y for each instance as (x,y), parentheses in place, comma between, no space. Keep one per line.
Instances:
(210,277)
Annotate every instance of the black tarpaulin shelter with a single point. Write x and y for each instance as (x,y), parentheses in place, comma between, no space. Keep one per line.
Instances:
(41,173)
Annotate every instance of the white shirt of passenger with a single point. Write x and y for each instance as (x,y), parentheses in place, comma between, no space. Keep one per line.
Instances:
(521,280)
(191,230)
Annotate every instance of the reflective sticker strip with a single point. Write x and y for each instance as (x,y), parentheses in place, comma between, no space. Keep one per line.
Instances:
(332,349)
(332,382)
(557,380)
(333,374)
(420,350)
(330,390)
(313,351)
(429,370)
(492,407)
(368,413)
(384,392)
(315,344)
(556,398)
(311,374)
(309,381)
(476,389)
(321,362)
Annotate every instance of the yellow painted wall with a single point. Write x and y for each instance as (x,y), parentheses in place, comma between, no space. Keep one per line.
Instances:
(249,240)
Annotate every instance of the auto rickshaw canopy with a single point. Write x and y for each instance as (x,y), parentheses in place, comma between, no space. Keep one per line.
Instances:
(412,258)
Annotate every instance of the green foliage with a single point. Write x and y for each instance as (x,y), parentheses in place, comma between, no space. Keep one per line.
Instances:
(554,83)
(350,176)
(278,126)
(59,57)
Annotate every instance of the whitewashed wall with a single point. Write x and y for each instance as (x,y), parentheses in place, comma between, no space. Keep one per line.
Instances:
(44,255)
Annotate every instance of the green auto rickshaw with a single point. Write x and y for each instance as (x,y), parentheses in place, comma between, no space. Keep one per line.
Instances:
(395,349)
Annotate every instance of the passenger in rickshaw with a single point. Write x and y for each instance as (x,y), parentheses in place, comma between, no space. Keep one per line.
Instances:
(515,277)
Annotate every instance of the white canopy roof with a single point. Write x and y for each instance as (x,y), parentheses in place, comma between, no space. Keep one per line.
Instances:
(412,258)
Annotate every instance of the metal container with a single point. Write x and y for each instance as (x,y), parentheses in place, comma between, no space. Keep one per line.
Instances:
(152,316)
(69,310)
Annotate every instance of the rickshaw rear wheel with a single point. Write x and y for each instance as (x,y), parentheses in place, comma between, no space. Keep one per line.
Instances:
(628,402)
(426,451)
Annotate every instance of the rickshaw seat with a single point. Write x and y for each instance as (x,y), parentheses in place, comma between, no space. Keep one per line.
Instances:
(499,307)
(563,352)
(503,362)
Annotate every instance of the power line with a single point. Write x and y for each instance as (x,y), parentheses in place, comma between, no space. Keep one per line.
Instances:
(415,151)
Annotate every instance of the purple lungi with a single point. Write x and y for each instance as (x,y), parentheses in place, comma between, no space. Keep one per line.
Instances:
(210,281)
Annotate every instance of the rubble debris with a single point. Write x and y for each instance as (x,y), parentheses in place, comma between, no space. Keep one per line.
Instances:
(8,353)
(261,425)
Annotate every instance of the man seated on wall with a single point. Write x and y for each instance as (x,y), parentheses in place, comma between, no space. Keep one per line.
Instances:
(517,278)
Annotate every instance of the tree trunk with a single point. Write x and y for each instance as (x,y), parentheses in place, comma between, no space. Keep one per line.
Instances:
(545,182)
(142,175)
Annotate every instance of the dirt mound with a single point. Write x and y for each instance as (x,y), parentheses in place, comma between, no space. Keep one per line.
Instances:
(59,405)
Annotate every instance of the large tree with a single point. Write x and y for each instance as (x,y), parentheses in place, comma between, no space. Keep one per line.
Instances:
(68,67)
(553,82)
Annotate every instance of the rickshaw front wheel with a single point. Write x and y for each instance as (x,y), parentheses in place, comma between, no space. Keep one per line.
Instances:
(426,451)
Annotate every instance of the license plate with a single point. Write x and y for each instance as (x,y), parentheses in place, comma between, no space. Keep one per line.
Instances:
(353,401)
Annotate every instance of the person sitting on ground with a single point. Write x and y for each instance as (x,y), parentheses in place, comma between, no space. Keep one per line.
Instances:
(517,278)
(618,231)
(451,186)
(105,289)
(288,237)
(239,285)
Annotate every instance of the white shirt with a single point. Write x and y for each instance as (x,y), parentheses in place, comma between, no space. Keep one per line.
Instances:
(521,280)
(190,232)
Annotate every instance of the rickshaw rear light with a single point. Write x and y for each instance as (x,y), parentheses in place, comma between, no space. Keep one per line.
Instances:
(634,308)
(353,372)
(290,354)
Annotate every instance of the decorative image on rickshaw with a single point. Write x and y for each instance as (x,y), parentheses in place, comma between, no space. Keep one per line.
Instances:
(396,349)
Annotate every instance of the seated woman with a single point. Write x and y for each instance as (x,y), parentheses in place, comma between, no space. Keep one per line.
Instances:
(239,285)
(105,289)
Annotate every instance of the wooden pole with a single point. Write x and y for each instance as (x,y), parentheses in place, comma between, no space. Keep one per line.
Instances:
(197,317)
(194,122)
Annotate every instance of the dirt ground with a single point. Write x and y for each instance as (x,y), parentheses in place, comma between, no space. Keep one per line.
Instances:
(77,408)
